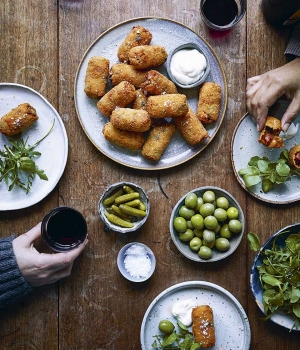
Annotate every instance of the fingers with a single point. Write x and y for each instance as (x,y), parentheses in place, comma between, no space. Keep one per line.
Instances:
(33,234)
(56,276)
(291,112)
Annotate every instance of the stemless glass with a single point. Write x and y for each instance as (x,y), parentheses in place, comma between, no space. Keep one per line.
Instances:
(222,14)
(64,229)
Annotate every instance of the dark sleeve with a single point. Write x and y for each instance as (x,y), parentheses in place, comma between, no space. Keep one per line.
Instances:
(293,47)
(12,283)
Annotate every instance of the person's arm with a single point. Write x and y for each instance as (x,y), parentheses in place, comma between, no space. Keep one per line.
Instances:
(12,283)
(262,91)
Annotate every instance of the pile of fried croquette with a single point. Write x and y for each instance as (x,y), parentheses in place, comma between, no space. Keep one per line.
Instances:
(143,107)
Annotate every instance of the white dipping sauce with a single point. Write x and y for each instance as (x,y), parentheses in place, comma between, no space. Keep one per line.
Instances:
(182,310)
(188,66)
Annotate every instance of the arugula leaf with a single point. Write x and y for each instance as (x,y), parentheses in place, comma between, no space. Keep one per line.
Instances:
(17,165)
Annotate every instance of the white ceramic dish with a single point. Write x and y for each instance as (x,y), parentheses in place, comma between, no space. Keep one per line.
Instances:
(245,145)
(231,322)
(279,317)
(184,248)
(121,264)
(54,149)
(169,34)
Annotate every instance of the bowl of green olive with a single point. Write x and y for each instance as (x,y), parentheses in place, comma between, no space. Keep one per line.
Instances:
(124,207)
(207,224)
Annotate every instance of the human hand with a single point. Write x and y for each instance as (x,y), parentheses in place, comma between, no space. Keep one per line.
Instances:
(262,92)
(40,268)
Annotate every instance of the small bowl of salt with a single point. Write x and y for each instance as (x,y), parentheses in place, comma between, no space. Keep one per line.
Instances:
(136,262)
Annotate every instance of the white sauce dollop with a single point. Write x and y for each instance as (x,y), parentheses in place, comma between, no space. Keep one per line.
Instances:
(182,310)
(188,66)
(290,133)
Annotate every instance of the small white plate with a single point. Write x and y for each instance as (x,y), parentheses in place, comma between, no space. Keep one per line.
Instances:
(245,145)
(54,148)
(231,322)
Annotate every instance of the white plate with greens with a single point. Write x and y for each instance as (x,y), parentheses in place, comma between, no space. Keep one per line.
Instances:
(231,323)
(53,149)
(245,145)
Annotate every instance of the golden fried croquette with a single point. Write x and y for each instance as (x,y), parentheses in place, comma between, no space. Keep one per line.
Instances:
(269,136)
(140,100)
(122,71)
(119,96)
(147,56)
(18,119)
(191,129)
(294,156)
(96,76)
(167,106)
(203,326)
(137,36)
(156,83)
(123,138)
(157,141)
(131,119)
(209,102)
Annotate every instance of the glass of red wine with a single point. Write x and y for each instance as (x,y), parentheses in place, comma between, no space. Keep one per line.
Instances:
(64,229)
(222,14)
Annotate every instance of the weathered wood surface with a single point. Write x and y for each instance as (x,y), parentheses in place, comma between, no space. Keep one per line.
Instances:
(42,44)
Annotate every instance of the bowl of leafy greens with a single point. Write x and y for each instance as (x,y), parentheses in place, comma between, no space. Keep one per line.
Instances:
(275,276)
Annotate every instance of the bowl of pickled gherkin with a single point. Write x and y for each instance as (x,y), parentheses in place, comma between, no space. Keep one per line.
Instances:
(124,207)
(207,224)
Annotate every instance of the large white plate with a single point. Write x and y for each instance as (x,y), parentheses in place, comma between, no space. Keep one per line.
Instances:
(231,322)
(54,149)
(169,34)
(245,145)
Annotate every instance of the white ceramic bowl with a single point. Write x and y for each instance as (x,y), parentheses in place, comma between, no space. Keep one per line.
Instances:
(184,247)
(138,222)
(198,82)
(135,277)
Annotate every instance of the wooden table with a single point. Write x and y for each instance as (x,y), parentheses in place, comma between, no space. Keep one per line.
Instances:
(42,44)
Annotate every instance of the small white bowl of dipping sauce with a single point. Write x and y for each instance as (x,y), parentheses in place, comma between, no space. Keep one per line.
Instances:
(136,262)
(188,66)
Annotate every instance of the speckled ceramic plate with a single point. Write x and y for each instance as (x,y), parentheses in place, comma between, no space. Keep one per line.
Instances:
(168,34)
(231,322)
(280,317)
(54,149)
(245,145)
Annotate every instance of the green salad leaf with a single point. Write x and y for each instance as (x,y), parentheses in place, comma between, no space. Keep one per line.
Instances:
(279,276)
(17,165)
(262,170)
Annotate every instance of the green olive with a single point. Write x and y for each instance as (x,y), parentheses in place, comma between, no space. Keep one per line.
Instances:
(207,209)
(186,212)
(197,221)
(210,222)
(235,226)
(205,252)
(198,232)
(209,197)
(190,200)
(166,326)
(199,203)
(209,236)
(220,214)
(180,224)
(225,231)
(222,244)
(232,213)
(189,224)
(195,244)
(222,202)
(187,235)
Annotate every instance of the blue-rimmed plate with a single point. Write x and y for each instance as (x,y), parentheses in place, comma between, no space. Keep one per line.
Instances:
(279,317)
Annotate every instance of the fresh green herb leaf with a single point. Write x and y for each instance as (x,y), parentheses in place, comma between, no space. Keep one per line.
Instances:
(267,172)
(254,241)
(17,165)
